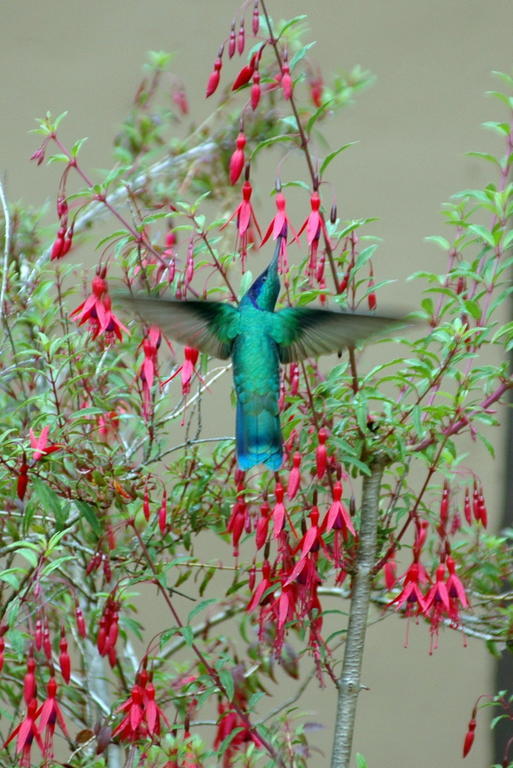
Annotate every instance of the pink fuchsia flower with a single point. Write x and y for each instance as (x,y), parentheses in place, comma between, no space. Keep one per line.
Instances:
(40,444)
(187,369)
(314,226)
(337,516)
(245,218)
(26,732)
(149,368)
(51,714)
(411,596)
(294,476)
(279,227)
(456,591)
(97,310)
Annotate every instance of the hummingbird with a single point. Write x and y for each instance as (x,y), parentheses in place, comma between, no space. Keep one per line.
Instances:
(258,339)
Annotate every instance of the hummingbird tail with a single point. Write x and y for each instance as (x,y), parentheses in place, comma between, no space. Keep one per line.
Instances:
(258,438)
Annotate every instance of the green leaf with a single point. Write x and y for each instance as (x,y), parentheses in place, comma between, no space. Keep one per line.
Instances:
(50,502)
(438,240)
(299,55)
(198,608)
(361,762)
(187,635)
(89,513)
(226,679)
(483,234)
(273,140)
(77,146)
(327,160)
(292,23)
(317,114)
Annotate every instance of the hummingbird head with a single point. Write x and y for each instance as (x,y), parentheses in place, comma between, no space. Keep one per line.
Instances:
(264,291)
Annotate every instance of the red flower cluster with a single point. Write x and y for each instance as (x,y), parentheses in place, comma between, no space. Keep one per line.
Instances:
(143,716)
(97,310)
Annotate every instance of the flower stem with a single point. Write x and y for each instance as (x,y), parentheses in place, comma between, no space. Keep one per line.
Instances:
(349,684)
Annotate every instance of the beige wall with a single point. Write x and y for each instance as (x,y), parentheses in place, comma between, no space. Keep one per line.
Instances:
(432,60)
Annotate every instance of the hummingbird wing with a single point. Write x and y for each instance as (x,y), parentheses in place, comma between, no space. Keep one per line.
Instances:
(302,332)
(209,326)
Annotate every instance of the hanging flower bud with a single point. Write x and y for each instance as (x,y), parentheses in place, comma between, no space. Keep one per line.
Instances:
(213,80)
(232,42)
(237,159)
(321,453)
(390,573)
(470,734)
(62,207)
(79,618)
(57,250)
(246,72)
(444,506)
(47,642)
(371,295)
(482,512)
(29,681)
(22,481)
(255,90)
(179,97)
(38,635)
(295,476)
(467,510)
(278,511)
(255,19)
(64,659)
(262,525)
(316,86)
(241,39)
(162,513)
(286,80)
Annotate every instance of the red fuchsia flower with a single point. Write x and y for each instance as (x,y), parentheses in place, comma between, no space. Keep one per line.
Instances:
(315,226)
(279,227)
(232,41)
(456,592)
(64,658)
(285,79)
(96,310)
(213,80)
(444,506)
(372,302)
(143,715)
(51,714)
(467,509)
(62,242)
(229,721)
(470,734)
(26,732)
(316,86)
(245,219)
(241,38)
(337,516)
(29,680)
(255,18)
(239,520)
(187,369)
(321,453)
(40,444)
(108,630)
(294,476)
(22,480)
(247,71)
(411,595)
(237,160)
(267,581)
(149,368)
(262,528)
(256,91)
(108,424)
(162,514)
(390,573)
(279,513)
(436,602)
(310,544)
(79,618)
(169,254)
(480,511)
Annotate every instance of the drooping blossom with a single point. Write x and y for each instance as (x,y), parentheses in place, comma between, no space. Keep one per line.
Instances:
(187,370)
(51,714)
(279,228)
(237,160)
(143,716)
(214,77)
(149,368)
(97,310)
(245,219)
(40,444)
(314,226)
(26,732)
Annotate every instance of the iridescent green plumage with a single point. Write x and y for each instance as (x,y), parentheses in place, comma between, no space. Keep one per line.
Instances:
(257,339)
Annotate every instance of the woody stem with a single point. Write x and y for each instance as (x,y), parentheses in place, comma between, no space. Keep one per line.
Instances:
(349,684)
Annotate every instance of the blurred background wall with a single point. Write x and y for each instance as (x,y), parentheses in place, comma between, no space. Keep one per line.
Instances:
(432,61)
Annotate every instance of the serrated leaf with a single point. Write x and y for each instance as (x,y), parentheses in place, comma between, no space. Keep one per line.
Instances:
(332,155)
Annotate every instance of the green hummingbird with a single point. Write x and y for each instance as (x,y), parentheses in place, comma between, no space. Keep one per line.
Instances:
(258,339)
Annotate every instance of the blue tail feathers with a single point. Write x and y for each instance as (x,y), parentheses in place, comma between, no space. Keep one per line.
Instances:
(258,438)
